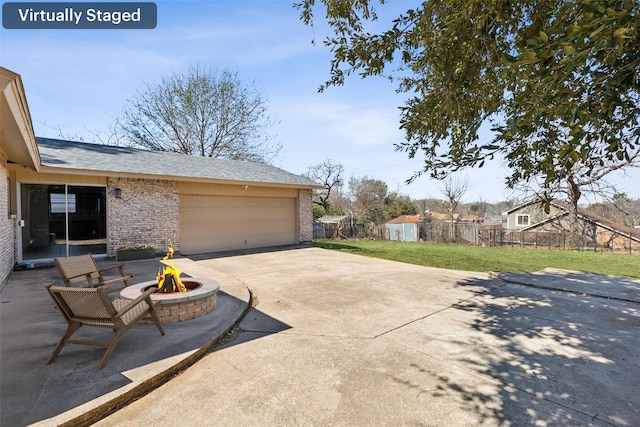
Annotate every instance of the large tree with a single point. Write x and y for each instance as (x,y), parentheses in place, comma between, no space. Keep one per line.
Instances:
(557,81)
(398,204)
(368,199)
(329,174)
(204,112)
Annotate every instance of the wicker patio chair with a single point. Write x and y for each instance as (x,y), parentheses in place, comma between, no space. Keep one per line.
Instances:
(82,269)
(92,307)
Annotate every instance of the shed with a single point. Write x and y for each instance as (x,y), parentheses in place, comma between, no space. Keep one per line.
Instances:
(405,228)
(329,226)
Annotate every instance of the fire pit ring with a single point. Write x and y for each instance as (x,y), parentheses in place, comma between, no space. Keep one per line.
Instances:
(200,299)
(189,284)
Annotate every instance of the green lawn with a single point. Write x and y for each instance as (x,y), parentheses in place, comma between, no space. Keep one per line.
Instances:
(474,258)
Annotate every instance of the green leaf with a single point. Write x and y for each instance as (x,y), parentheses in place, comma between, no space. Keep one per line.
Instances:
(544,37)
(598,30)
(569,50)
(621,32)
(508,59)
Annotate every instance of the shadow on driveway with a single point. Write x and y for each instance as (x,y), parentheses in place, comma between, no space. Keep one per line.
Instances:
(561,357)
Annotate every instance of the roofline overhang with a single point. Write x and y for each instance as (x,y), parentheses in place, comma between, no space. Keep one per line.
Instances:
(17,138)
(112,174)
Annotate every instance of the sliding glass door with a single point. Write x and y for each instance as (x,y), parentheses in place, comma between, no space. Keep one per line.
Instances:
(62,220)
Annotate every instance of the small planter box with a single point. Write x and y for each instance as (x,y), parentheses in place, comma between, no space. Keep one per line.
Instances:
(134,255)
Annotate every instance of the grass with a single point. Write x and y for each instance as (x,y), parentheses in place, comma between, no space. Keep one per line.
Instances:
(474,258)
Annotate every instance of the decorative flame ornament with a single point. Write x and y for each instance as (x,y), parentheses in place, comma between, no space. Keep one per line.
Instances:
(169,277)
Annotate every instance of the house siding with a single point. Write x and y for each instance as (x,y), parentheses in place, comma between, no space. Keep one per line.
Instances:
(535,212)
(21,174)
(7,226)
(146,213)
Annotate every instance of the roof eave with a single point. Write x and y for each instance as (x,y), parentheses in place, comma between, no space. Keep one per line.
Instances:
(17,138)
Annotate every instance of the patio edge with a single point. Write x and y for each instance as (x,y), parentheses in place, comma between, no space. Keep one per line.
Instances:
(102,410)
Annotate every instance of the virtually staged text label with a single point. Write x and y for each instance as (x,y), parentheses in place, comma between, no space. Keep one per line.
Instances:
(79,15)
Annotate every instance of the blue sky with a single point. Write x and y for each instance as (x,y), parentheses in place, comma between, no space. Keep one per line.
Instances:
(77,80)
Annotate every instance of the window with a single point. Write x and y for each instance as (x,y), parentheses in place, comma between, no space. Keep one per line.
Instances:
(58,203)
(522,220)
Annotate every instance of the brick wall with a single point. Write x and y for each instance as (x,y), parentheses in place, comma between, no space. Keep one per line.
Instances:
(146,213)
(305,215)
(7,226)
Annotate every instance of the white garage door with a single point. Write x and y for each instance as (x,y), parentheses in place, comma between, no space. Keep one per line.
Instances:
(220,223)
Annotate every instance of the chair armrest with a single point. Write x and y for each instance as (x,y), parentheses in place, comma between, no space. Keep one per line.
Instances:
(133,303)
(119,267)
(88,278)
(114,280)
(87,274)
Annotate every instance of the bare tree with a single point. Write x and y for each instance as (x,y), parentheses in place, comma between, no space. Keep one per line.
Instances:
(454,189)
(329,174)
(620,209)
(203,112)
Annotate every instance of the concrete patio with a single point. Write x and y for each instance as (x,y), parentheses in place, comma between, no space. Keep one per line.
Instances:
(341,339)
(70,390)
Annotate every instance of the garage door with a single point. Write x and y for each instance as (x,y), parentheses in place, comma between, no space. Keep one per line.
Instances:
(220,223)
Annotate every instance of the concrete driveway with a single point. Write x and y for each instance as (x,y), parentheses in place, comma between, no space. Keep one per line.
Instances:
(341,339)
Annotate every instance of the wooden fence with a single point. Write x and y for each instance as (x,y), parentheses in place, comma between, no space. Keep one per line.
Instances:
(493,235)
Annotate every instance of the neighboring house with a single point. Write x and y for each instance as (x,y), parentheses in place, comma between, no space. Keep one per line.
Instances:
(532,217)
(65,198)
(530,214)
(404,228)
(445,217)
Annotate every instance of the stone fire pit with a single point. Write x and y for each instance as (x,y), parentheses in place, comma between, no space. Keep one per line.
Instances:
(199,299)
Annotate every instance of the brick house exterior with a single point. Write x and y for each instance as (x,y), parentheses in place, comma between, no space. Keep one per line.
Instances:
(306,211)
(156,222)
(84,196)
(7,226)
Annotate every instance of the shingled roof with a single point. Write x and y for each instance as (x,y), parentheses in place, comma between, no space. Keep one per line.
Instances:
(122,161)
